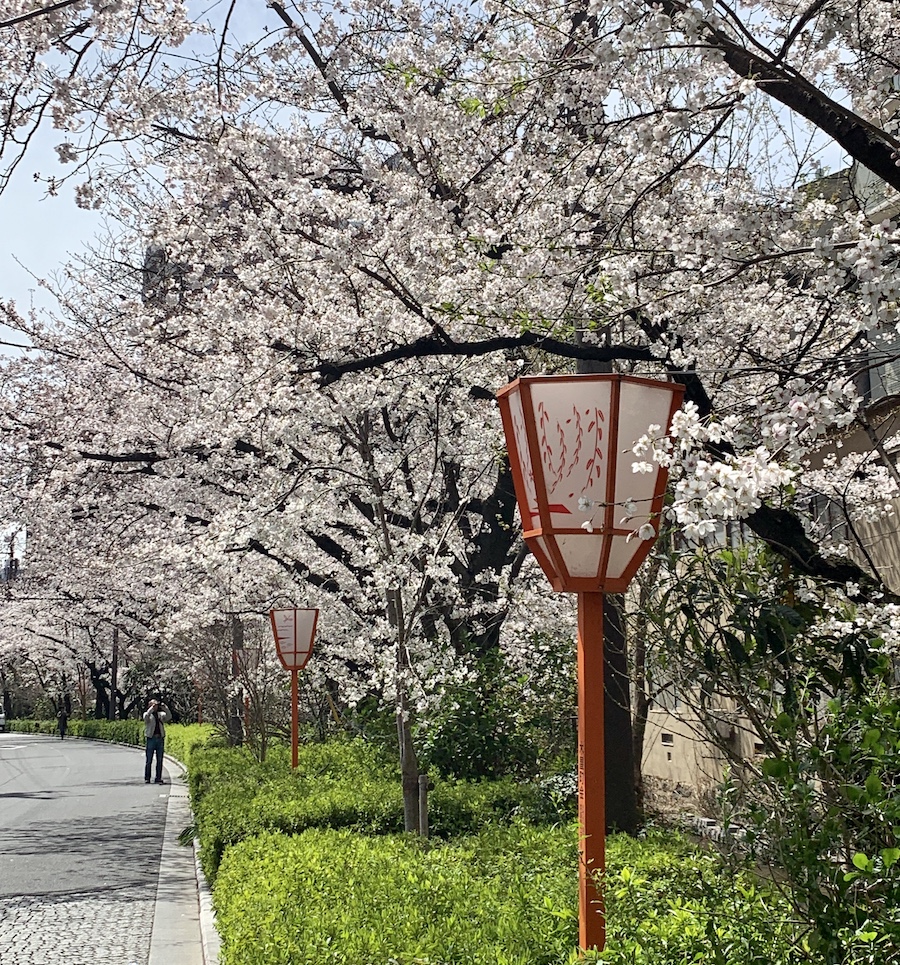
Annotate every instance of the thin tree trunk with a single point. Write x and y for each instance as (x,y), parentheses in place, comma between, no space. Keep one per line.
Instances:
(649,576)
(621,795)
(409,768)
(113,674)
(235,708)
(409,762)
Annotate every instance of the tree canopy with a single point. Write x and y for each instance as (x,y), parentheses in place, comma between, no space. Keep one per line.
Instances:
(340,227)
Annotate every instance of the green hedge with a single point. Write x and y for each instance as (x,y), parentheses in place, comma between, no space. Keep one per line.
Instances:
(119,731)
(181,739)
(505,896)
(334,897)
(341,784)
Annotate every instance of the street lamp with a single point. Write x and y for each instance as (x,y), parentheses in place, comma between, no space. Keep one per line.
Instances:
(294,630)
(590,521)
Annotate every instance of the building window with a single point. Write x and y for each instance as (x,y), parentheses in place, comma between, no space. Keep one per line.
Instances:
(667,698)
(668,739)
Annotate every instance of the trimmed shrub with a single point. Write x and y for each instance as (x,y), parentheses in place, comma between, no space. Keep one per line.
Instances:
(342,784)
(181,739)
(118,731)
(505,896)
(459,807)
(333,897)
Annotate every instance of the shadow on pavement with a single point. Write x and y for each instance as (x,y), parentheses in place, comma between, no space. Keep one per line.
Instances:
(32,795)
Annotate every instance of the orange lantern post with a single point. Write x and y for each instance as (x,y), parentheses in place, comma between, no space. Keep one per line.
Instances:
(590,521)
(294,630)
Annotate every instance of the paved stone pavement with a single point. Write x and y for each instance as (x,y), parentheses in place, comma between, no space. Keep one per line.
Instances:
(46,930)
(81,841)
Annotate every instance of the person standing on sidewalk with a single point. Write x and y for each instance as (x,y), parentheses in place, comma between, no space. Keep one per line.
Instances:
(62,722)
(155,717)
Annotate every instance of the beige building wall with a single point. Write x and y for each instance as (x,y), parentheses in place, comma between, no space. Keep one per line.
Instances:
(675,751)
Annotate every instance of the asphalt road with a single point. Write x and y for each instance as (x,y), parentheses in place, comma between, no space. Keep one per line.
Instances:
(80,842)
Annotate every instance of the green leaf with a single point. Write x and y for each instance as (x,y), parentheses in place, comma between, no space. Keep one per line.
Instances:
(775,767)
(871,737)
(862,861)
(874,786)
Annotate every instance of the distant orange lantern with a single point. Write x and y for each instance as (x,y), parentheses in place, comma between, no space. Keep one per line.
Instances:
(590,521)
(294,630)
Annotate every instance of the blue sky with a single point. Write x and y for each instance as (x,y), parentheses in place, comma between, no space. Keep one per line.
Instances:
(38,232)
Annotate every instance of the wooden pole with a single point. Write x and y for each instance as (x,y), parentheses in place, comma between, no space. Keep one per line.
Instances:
(295,699)
(423,805)
(591,776)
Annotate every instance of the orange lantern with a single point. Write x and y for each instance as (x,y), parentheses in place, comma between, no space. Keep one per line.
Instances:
(590,521)
(570,441)
(294,630)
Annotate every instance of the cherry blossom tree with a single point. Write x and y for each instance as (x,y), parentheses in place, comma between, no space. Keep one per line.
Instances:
(341,227)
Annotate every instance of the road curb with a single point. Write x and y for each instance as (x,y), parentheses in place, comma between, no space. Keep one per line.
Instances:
(209,934)
(176,935)
(210,941)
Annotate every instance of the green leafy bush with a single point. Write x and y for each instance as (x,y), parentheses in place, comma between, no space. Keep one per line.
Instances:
(342,784)
(118,731)
(504,896)
(333,897)
(337,784)
(819,797)
(501,720)
(830,820)
(181,739)
(670,904)
(458,807)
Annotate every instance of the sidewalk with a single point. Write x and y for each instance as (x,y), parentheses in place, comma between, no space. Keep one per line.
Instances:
(184,930)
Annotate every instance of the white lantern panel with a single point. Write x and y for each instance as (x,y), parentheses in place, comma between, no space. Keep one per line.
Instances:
(640,406)
(621,554)
(294,630)
(581,554)
(528,513)
(572,421)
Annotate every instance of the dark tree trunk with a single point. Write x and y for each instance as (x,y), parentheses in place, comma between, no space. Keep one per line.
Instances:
(409,769)
(621,796)
(113,674)
(236,708)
